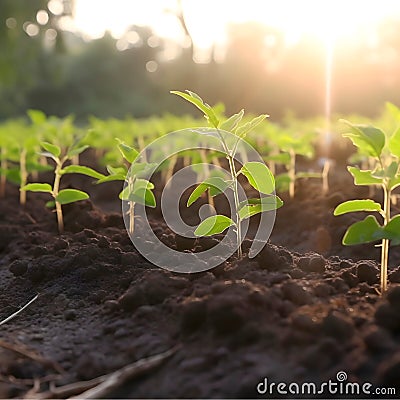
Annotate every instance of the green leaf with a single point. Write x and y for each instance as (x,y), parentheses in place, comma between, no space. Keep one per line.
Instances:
(37,117)
(256,206)
(357,205)
(141,195)
(392,230)
(391,170)
(48,155)
(112,178)
(281,158)
(139,167)
(128,152)
(50,204)
(365,231)
(394,110)
(34,166)
(364,177)
(74,151)
(14,175)
(394,183)
(282,182)
(243,130)
(213,225)
(215,184)
(196,100)
(394,143)
(143,183)
(51,148)
(67,196)
(80,169)
(38,187)
(116,170)
(367,138)
(259,176)
(232,122)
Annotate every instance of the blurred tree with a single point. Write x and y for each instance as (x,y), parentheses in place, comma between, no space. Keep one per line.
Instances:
(105,81)
(24,28)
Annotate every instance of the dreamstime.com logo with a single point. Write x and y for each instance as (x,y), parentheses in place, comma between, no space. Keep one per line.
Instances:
(338,387)
(158,154)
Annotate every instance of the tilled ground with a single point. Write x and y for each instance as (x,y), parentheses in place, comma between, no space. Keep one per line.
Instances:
(303,310)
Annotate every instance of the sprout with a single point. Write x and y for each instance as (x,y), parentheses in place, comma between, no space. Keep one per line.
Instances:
(137,190)
(257,173)
(62,196)
(385,150)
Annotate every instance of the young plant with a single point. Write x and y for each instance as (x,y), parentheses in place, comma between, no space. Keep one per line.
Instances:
(257,173)
(137,190)
(291,145)
(385,149)
(19,158)
(62,196)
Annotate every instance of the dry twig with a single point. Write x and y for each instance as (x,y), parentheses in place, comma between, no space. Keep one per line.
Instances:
(33,356)
(99,387)
(19,311)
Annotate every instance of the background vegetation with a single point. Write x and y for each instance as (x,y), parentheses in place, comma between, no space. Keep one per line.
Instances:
(45,67)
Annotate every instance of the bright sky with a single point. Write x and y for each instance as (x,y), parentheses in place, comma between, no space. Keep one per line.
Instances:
(207,19)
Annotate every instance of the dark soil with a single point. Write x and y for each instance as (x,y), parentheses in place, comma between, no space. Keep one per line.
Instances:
(301,311)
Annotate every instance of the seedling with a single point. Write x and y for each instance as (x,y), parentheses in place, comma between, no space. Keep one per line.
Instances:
(257,173)
(385,149)
(137,190)
(64,196)
(286,147)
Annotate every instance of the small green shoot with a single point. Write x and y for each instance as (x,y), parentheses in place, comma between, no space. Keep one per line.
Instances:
(62,196)
(257,173)
(137,190)
(385,150)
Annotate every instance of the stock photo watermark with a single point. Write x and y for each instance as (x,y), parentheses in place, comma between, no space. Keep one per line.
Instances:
(340,386)
(239,153)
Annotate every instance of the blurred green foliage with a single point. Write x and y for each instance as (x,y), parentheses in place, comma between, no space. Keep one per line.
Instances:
(259,72)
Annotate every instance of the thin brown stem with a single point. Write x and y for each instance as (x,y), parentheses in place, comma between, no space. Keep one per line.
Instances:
(131,210)
(24,176)
(231,161)
(206,170)
(56,189)
(236,200)
(385,242)
(131,217)
(171,167)
(142,146)
(325,175)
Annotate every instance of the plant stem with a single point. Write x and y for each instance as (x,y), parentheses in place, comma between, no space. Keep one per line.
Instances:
(325,173)
(75,159)
(292,172)
(142,145)
(56,188)
(385,242)
(232,169)
(131,210)
(230,156)
(236,200)
(186,161)
(206,170)
(131,217)
(371,165)
(24,176)
(171,168)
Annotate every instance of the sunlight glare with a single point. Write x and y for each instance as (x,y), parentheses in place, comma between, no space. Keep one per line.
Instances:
(207,20)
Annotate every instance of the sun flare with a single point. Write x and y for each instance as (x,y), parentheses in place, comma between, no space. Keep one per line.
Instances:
(207,20)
